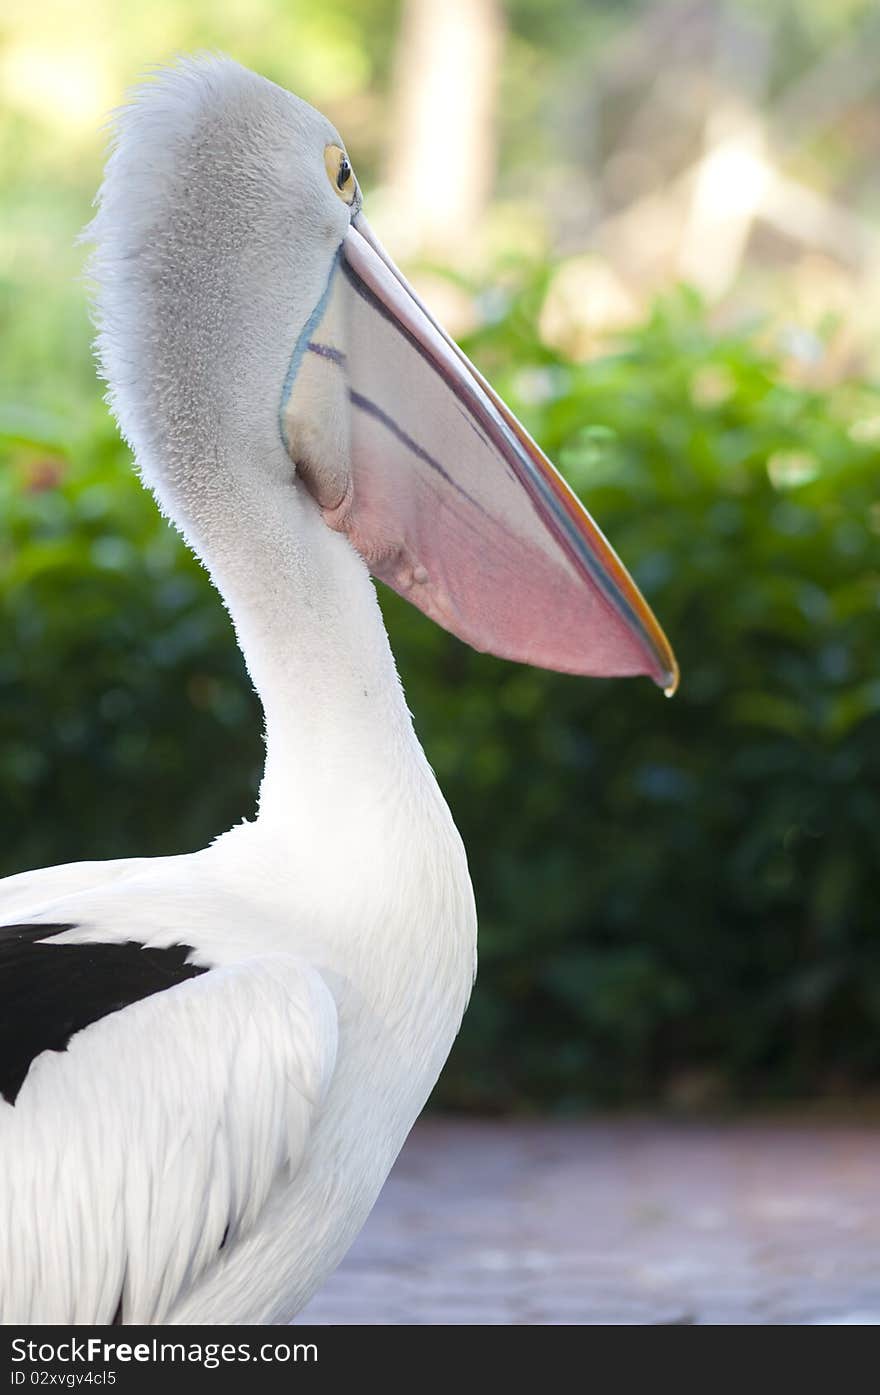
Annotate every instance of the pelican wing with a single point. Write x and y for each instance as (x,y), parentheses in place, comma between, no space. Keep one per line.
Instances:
(139,1144)
(24,896)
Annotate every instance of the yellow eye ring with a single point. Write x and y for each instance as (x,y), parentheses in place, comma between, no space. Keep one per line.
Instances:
(340,173)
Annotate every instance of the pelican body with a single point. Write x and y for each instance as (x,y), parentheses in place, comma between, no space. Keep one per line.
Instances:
(208,1063)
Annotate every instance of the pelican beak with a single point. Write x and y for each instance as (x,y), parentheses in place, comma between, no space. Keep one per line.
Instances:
(445,494)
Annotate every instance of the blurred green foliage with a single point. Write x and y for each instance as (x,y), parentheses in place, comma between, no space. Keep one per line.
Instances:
(668,891)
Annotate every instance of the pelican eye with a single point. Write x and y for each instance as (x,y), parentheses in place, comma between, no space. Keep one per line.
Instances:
(340,173)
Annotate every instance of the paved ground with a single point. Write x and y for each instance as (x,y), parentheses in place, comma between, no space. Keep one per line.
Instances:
(632,1222)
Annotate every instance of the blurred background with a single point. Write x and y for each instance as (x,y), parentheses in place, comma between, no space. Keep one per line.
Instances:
(656,228)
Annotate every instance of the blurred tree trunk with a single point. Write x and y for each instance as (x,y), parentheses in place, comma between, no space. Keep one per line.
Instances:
(442,148)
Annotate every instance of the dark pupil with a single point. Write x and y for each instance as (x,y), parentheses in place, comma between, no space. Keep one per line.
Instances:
(343,174)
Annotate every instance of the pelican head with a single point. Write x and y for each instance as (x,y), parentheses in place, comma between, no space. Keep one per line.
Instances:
(248,314)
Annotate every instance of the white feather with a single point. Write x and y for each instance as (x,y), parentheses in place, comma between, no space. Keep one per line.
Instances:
(160,1129)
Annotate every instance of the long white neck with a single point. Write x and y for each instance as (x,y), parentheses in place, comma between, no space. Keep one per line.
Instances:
(338,732)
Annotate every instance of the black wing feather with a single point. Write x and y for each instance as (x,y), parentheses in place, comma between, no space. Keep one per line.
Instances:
(48,993)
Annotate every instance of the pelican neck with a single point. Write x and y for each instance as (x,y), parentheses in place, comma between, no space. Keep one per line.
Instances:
(308,623)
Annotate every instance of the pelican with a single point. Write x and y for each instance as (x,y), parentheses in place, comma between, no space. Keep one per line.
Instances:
(209,1062)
